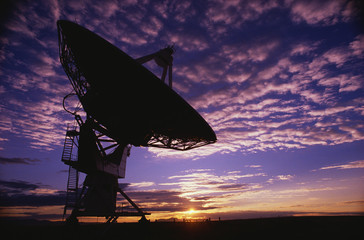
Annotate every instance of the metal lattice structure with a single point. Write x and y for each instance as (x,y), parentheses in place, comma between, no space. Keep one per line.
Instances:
(162,141)
(69,64)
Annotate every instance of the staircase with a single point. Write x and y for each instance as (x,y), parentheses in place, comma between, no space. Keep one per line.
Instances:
(69,159)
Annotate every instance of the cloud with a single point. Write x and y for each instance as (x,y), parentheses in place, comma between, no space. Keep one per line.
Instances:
(345,82)
(107,8)
(319,12)
(152,27)
(180,11)
(357,46)
(23,193)
(261,52)
(33,77)
(188,39)
(20,27)
(233,14)
(284,177)
(242,121)
(27,161)
(199,189)
(165,201)
(18,185)
(280,178)
(359,202)
(233,187)
(242,52)
(134,39)
(330,111)
(228,82)
(303,48)
(238,77)
(32,213)
(215,98)
(253,166)
(25,21)
(142,184)
(37,200)
(337,56)
(349,165)
(203,183)
(206,69)
(38,123)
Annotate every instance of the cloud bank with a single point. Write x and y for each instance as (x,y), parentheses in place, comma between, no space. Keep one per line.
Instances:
(259,89)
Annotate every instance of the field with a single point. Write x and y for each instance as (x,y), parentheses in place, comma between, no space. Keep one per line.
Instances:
(348,227)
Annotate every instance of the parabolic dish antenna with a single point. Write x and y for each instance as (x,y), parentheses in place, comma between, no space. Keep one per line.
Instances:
(132,104)
(126,105)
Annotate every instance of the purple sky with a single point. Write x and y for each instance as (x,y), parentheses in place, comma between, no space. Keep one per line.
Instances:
(280,82)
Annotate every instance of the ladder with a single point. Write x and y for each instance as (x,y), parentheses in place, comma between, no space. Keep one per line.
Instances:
(68,158)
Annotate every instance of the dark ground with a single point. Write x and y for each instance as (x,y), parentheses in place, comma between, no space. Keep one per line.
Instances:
(347,227)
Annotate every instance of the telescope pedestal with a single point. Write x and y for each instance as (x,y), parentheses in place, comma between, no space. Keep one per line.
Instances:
(98,199)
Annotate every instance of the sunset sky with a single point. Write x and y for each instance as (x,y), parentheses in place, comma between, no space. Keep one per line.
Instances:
(280,82)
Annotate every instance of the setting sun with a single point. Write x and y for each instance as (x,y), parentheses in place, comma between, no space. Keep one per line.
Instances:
(191,211)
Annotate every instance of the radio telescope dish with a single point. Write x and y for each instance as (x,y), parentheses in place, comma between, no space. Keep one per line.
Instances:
(132,104)
(126,105)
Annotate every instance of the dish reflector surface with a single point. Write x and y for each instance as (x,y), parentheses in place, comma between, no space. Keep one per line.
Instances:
(129,102)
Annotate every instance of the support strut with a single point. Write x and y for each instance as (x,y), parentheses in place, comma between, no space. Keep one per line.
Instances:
(164,59)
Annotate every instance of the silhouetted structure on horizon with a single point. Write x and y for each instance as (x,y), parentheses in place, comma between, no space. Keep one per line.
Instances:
(125,105)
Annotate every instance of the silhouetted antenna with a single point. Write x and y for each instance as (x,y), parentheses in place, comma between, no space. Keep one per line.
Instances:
(126,105)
